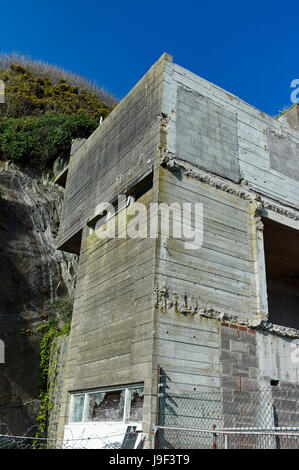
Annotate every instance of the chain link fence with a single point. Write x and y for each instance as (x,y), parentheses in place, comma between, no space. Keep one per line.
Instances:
(232,419)
(239,419)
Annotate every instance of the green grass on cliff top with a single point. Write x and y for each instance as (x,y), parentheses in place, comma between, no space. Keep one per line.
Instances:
(45,108)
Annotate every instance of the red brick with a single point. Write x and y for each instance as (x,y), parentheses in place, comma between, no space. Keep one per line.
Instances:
(240,383)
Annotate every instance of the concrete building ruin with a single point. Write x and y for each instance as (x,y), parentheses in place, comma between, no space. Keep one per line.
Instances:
(149,313)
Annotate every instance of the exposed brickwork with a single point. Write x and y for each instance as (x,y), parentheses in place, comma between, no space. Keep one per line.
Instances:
(239,371)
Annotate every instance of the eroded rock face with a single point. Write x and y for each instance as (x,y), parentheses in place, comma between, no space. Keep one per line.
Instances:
(32,274)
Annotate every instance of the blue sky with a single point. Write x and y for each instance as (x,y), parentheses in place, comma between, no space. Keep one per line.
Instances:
(248,48)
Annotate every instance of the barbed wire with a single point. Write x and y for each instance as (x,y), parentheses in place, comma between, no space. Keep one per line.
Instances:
(259,418)
(9,440)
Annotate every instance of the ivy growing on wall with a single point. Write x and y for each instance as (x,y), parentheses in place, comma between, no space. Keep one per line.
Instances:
(59,324)
(50,332)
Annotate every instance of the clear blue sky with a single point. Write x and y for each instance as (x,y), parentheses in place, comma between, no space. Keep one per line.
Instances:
(250,48)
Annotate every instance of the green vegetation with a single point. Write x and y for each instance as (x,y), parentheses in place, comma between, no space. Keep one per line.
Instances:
(55,74)
(62,310)
(27,94)
(41,115)
(60,325)
(38,141)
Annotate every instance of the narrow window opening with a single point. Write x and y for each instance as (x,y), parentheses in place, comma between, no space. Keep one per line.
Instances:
(132,193)
(281,244)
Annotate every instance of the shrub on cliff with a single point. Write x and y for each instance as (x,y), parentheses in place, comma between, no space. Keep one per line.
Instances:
(45,108)
(28,94)
(37,141)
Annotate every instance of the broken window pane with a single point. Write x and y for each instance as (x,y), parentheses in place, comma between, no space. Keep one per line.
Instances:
(94,400)
(106,406)
(77,408)
(136,404)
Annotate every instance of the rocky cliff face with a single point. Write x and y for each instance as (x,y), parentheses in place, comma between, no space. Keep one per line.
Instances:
(32,274)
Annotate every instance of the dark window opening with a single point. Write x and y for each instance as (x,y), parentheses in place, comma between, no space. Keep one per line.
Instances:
(274,383)
(130,194)
(137,190)
(281,244)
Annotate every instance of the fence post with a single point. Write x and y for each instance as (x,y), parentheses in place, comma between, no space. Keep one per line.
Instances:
(156,436)
(2,352)
(214,437)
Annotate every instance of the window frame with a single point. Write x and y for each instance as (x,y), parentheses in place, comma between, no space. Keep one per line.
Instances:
(87,393)
(261,262)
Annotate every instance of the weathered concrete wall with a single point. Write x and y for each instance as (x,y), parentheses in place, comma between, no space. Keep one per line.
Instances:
(212,130)
(220,274)
(123,147)
(111,337)
(260,137)
(113,312)
(275,358)
(187,349)
(279,363)
(151,304)
(206,134)
(291,117)
(186,362)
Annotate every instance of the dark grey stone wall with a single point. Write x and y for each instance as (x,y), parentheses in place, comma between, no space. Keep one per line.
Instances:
(239,374)
(248,400)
